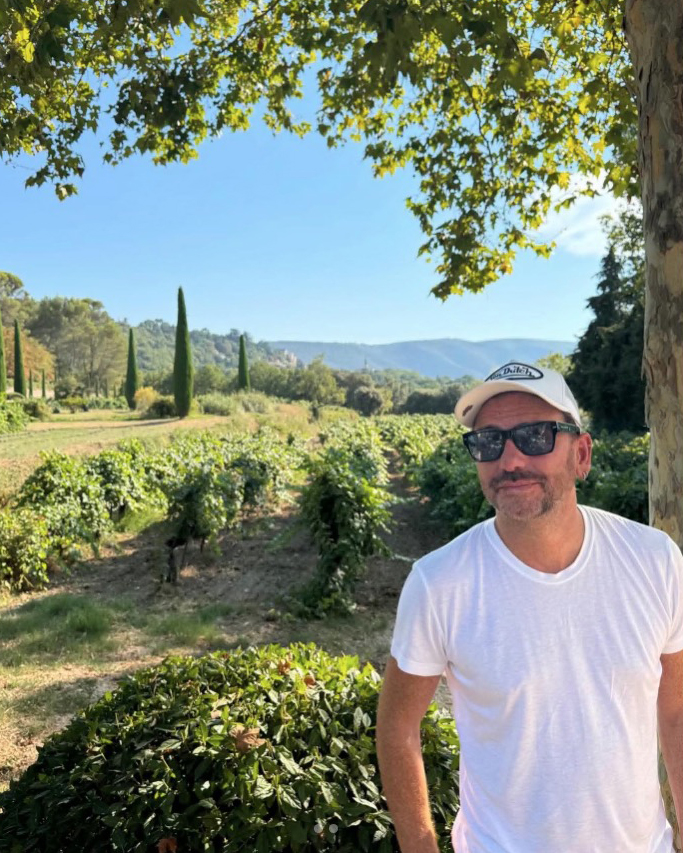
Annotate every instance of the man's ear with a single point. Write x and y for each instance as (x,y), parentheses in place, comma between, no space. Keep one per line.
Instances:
(584,452)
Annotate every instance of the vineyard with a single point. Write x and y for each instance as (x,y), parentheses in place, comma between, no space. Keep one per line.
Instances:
(211,542)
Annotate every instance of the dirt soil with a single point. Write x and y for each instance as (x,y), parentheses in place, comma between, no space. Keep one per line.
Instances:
(253,572)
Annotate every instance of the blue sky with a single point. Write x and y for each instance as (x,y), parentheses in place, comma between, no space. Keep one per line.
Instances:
(282,238)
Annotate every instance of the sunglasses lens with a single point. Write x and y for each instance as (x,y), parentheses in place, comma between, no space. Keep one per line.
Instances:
(485,445)
(535,439)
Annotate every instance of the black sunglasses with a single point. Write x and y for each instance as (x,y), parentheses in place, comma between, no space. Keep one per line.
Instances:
(535,439)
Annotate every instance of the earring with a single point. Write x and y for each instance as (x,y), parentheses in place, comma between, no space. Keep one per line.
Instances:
(584,475)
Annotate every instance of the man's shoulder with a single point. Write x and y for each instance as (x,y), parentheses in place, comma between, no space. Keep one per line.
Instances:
(611,524)
(457,552)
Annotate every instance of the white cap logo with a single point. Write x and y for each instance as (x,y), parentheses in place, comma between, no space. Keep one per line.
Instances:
(515,370)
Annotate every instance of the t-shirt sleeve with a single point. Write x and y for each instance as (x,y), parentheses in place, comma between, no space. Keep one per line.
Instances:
(418,641)
(674,642)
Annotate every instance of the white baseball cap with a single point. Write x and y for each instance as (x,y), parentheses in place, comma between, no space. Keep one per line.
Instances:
(549,385)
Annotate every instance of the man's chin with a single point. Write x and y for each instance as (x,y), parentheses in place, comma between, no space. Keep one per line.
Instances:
(520,507)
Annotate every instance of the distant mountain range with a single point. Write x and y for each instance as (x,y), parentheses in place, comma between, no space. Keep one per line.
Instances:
(445,357)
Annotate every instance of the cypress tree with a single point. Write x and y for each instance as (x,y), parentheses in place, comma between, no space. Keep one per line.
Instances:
(42,383)
(3,365)
(132,376)
(243,382)
(19,375)
(183,373)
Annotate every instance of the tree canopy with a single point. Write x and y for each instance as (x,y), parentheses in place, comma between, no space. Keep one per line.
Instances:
(496,106)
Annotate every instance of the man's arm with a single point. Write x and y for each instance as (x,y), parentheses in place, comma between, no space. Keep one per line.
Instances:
(402,705)
(670,719)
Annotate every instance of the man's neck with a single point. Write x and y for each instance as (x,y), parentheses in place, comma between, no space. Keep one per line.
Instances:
(548,543)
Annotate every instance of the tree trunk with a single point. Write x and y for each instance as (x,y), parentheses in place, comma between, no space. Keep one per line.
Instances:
(654,29)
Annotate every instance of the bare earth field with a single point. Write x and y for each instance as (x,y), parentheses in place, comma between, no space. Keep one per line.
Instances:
(65,647)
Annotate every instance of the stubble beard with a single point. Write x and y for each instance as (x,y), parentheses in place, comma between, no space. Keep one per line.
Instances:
(520,507)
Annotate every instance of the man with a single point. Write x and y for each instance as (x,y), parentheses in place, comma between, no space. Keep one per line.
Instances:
(560,631)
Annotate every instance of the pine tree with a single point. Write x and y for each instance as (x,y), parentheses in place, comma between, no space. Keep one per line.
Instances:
(3,366)
(42,384)
(606,365)
(183,373)
(19,375)
(243,381)
(132,376)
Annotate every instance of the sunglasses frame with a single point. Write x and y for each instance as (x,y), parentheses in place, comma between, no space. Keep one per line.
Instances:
(556,426)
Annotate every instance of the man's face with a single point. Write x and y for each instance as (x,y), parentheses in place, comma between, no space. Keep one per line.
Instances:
(525,487)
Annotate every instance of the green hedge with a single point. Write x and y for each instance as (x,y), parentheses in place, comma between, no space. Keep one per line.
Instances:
(13,418)
(618,480)
(24,550)
(260,750)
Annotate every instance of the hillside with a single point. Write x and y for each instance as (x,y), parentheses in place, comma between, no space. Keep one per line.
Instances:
(155,340)
(445,357)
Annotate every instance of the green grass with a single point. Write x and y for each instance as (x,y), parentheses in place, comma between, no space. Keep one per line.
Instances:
(71,628)
(190,628)
(54,627)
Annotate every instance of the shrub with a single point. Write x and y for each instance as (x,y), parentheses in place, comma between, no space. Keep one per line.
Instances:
(361,444)
(69,499)
(72,404)
(367,400)
(232,404)
(216,403)
(24,548)
(254,401)
(345,513)
(36,409)
(106,403)
(264,749)
(143,398)
(205,503)
(264,462)
(618,481)
(13,418)
(122,479)
(162,407)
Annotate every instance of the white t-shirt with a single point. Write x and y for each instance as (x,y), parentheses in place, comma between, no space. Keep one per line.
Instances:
(554,681)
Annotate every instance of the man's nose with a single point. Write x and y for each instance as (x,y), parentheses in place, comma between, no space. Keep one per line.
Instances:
(511,457)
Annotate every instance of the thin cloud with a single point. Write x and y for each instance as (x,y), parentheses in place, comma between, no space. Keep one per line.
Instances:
(578,230)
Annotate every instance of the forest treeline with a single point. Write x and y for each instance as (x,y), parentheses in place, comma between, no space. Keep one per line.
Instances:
(83,351)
